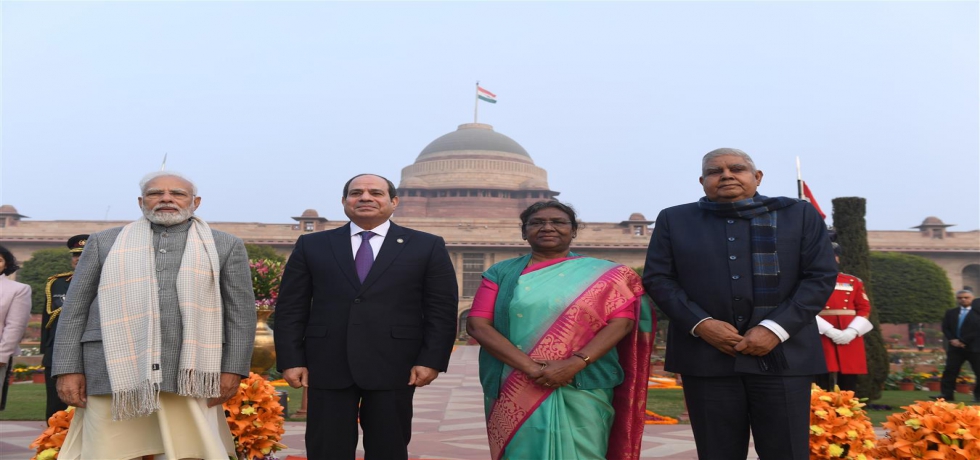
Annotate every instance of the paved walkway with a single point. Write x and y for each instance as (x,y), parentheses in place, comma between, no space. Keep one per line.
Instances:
(448,423)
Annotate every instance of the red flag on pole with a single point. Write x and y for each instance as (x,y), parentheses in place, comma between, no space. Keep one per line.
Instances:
(809,197)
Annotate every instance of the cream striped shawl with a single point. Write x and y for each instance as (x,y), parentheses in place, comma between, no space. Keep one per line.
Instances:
(130,314)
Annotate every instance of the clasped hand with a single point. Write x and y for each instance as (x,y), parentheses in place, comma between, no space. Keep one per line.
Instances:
(555,374)
(758,341)
(719,334)
(845,337)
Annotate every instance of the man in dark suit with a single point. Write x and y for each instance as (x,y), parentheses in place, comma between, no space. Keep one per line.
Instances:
(961,326)
(366,314)
(742,277)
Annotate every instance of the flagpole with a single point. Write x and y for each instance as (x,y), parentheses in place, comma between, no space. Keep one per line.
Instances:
(799,179)
(476,101)
(163,166)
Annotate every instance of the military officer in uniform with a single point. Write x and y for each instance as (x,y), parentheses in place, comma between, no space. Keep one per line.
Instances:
(55,291)
(842,322)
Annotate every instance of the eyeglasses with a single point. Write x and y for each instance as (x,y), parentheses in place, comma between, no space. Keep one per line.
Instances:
(555,224)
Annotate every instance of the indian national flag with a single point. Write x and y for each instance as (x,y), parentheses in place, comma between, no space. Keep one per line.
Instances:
(486,95)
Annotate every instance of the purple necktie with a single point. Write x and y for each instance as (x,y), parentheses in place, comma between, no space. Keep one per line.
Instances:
(365,256)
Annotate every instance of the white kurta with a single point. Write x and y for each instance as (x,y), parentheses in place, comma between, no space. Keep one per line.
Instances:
(184,427)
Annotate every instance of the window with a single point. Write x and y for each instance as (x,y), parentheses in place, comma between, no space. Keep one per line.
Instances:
(638,230)
(472,272)
(308,226)
(937,233)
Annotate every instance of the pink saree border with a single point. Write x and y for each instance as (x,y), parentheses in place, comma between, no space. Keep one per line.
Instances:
(519,397)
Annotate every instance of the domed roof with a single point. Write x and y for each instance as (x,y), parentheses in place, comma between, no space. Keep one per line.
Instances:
(8,209)
(474,157)
(932,220)
(310,213)
(474,136)
(534,183)
(637,216)
(414,182)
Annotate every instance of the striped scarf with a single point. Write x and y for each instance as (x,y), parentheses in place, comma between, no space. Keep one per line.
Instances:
(763,216)
(129,306)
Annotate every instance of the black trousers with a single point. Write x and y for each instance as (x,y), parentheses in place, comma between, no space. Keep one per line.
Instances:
(385,418)
(724,409)
(955,357)
(53,403)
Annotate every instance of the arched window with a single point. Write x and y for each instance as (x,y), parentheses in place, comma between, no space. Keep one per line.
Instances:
(971,278)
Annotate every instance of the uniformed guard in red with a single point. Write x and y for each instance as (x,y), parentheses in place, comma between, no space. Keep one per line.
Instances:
(842,322)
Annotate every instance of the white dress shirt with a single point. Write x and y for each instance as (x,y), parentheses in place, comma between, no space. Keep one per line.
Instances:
(376,241)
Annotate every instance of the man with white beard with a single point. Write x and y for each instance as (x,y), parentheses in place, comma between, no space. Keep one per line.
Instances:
(155,333)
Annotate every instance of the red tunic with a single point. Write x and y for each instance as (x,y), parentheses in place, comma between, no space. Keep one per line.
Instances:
(848,296)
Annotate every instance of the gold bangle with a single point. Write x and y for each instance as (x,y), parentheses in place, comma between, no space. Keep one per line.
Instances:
(584,357)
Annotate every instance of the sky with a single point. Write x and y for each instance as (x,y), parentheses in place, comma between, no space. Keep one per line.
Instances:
(271,106)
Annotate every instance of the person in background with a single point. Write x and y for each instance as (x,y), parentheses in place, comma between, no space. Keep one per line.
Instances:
(15,312)
(842,323)
(920,339)
(55,292)
(961,326)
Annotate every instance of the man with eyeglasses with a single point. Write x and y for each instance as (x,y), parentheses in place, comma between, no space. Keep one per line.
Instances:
(961,326)
(155,333)
(742,277)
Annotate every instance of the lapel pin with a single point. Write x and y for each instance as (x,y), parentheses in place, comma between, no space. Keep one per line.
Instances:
(400,241)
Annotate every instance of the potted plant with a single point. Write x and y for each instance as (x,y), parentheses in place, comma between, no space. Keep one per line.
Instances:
(904,380)
(266,275)
(965,382)
(38,375)
(933,380)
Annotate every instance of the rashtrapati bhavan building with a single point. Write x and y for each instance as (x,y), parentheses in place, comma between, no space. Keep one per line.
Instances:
(469,186)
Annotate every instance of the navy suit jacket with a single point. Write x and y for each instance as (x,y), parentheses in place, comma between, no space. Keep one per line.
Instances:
(370,334)
(970,332)
(699,265)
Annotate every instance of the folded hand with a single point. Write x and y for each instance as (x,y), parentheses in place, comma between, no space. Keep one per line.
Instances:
(758,341)
(560,373)
(845,337)
(719,334)
(832,333)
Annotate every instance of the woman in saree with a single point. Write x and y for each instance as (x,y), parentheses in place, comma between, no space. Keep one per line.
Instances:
(563,365)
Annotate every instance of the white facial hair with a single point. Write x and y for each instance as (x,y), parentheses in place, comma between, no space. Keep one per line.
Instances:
(165,218)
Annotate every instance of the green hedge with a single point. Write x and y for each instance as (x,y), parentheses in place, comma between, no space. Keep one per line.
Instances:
(909,288)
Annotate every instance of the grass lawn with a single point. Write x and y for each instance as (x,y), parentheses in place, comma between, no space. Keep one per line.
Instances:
(671,402)
(25,401)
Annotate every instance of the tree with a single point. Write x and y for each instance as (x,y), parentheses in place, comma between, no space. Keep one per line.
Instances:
(261,251)
(910,289)
(852,235)
(35,272)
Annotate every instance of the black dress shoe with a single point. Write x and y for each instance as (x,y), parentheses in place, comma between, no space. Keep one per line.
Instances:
(947,398)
